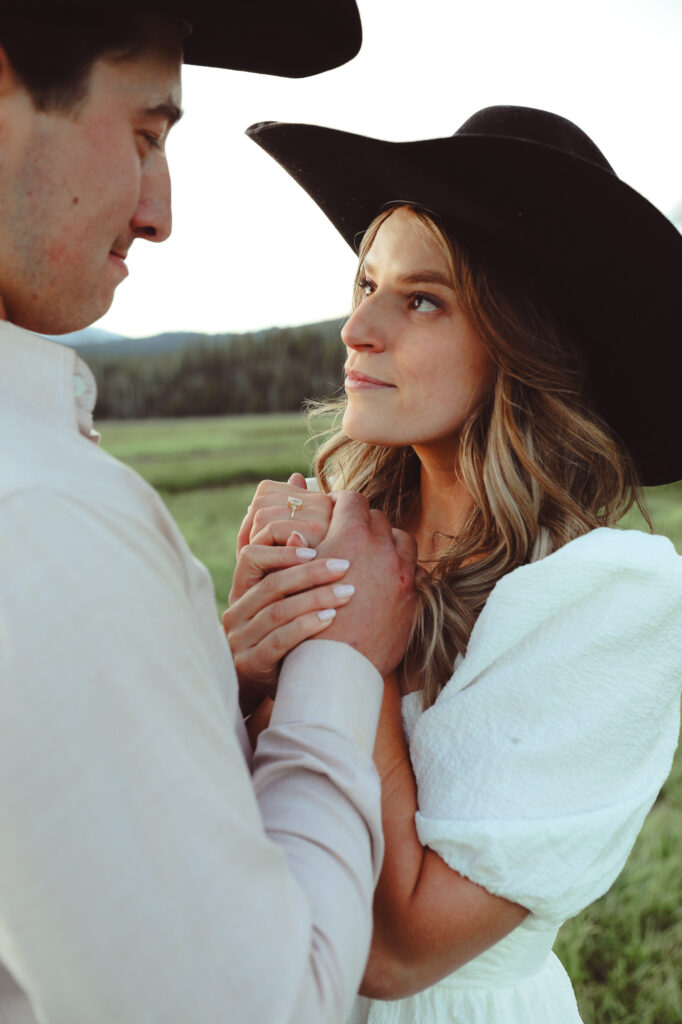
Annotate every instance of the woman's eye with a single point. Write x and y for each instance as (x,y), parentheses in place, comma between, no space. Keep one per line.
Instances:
(366,288)
(424,303)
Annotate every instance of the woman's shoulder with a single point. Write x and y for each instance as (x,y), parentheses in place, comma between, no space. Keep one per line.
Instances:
(609,549)
(611,597)
(619,559)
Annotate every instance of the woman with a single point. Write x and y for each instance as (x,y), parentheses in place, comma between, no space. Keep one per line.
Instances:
(513,360)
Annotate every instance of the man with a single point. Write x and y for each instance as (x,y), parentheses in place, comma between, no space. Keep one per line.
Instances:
(149,869)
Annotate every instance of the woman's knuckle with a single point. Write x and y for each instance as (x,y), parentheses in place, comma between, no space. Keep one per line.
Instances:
(260,519)
(277,646)
(270,586)
(246,556)
(278,612)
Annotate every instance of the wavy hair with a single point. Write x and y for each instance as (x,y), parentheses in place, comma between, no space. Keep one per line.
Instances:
(540,464)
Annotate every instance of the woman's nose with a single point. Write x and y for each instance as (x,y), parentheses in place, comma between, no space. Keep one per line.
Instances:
(365,328)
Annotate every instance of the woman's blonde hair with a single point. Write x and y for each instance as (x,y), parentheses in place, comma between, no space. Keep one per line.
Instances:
(540,464)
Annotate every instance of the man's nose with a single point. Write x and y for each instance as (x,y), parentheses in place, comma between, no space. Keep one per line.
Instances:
(152,218)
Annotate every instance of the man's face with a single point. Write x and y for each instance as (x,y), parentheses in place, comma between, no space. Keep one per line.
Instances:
(76,190)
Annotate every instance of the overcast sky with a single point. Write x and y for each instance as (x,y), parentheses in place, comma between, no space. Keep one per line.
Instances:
(249,248)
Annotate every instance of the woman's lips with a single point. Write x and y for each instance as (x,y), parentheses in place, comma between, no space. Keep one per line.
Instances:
(361,382)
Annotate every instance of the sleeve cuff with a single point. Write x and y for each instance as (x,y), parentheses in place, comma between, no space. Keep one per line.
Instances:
(329,683)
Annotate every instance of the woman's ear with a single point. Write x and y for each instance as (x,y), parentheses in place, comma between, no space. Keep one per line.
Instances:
(8,79)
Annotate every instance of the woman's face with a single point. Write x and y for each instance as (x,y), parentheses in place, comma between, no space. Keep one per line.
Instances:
(415,369)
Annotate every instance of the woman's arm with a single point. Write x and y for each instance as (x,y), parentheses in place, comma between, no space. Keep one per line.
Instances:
(428,920)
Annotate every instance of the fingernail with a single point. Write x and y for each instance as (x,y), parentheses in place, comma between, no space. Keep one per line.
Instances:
(327,614)
(302,540)
(344,590)
(337,564)
(306,552)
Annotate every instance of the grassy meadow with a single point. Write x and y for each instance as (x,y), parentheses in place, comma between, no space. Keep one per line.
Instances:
(624,953)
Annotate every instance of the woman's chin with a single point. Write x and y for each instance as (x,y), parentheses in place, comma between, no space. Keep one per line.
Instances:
(357,430)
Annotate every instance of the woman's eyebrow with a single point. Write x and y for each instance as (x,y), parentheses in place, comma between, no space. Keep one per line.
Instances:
(427,277)
(417,276)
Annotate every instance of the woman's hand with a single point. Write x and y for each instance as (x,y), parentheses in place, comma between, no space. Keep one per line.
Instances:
(269,517)
(280,597)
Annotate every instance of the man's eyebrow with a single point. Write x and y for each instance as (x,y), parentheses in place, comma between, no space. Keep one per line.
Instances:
(418,276)
(170,111)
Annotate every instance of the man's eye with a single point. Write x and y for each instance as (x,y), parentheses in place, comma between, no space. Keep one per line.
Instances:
(153,141)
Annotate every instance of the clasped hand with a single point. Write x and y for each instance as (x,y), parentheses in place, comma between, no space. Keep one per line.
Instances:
(337,567)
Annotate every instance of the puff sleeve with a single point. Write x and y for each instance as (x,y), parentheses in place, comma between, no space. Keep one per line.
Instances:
(541,757)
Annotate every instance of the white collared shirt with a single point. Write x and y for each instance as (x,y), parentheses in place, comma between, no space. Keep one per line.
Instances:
(149,872)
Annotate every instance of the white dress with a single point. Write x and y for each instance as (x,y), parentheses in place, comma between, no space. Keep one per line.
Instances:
(541,757)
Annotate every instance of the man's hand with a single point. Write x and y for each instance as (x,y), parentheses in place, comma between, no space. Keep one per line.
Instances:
(378,620)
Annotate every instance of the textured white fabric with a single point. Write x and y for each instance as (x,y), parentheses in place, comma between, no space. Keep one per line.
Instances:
(149,873)
(541,757)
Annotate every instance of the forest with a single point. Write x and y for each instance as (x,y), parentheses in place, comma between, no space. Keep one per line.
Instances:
(212,375)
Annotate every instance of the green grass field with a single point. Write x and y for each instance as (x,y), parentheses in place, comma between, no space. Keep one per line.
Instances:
(624,953)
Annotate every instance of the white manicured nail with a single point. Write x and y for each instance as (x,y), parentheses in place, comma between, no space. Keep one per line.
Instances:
(302,540)
(326,614)
(337,564)
(306,552)
(344,590)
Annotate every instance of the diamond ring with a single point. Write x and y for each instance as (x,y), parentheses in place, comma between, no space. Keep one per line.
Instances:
(294,504)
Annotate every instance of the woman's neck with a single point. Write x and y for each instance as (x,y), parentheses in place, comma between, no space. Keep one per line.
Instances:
(444,504)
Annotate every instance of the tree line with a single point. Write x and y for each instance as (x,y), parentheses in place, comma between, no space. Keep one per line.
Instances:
(272,371)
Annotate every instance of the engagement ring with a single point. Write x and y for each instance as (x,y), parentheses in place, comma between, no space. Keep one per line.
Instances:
(294,504)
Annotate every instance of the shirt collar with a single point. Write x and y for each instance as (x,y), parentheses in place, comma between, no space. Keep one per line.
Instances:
(47,377)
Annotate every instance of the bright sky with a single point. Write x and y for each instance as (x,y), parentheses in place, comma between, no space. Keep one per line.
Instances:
(249,248)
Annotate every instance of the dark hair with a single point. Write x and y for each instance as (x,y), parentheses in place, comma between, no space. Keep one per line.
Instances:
(52,47)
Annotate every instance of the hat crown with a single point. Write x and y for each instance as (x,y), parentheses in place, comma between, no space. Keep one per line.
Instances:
(540,126)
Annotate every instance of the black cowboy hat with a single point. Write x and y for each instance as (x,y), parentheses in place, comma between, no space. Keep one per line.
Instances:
(292,38)
(536,186)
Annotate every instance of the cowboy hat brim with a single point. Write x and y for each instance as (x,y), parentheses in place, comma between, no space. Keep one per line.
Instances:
(293,39)
(608,261)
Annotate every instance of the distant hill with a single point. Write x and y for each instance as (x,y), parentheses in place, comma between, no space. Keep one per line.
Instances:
(171,341)
(93,343)
(88,336)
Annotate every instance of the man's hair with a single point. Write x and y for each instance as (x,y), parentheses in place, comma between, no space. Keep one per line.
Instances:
(52,47)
